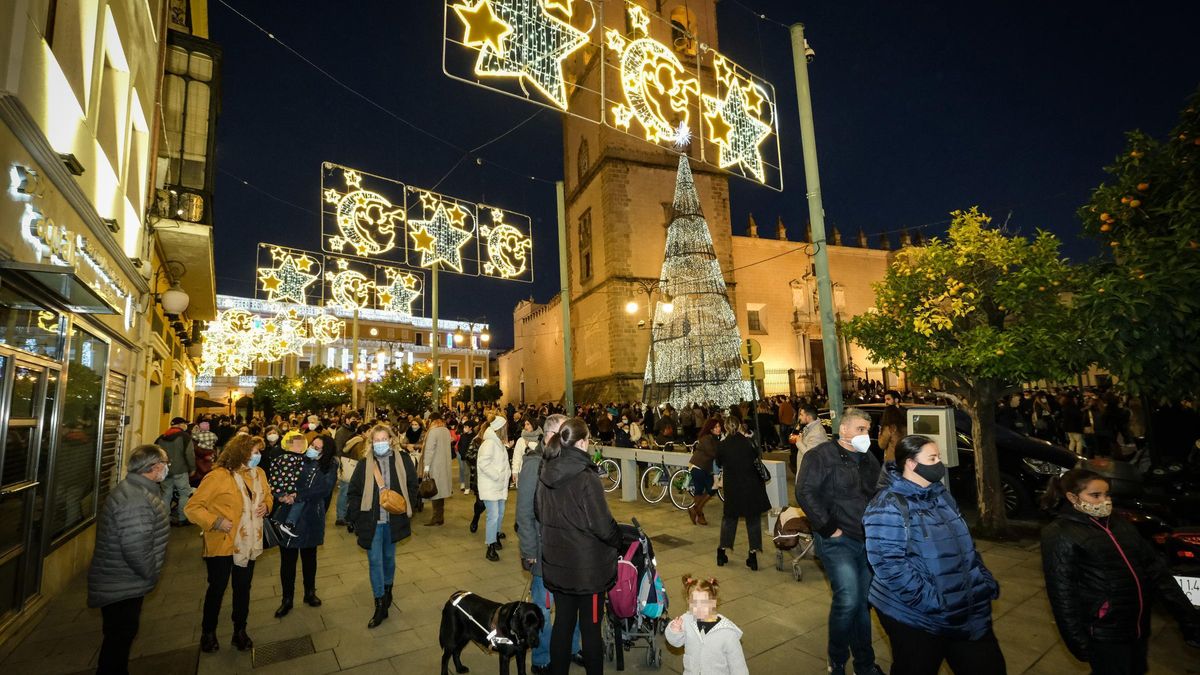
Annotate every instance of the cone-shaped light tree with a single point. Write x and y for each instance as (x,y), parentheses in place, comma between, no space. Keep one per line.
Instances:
(694,350)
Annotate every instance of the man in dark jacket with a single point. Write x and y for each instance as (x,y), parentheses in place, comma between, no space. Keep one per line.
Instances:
(131,544)
(836,481)
(181,456)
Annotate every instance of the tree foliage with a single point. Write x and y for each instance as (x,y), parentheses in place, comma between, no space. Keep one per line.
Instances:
(979,312)
(485,393)
(407,388)
(1140,300)
(318,388)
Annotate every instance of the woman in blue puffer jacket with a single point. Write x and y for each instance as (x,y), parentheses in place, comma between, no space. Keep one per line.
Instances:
(931,590)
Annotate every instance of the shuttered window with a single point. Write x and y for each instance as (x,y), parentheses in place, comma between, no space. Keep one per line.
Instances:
(113,438)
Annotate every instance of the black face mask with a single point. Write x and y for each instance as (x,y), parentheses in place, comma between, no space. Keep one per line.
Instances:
(934,473)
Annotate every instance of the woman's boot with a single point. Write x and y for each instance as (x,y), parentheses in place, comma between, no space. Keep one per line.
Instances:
(387,595)
(721,557)
(380,613)
(752,561)
(242,641)
(208,642)
(701,500)
(479,509)
(491,553)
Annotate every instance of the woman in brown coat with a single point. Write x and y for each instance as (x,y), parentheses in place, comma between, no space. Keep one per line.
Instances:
(701,463)
(229,507)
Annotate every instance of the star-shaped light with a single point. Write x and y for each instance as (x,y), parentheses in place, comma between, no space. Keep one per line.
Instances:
(754,99)
(458,215)
(289,281)
(534,51)
(483,27)
(400,293)
(622,115)
(740,145)
(638,19)
(353,178)
(438,238)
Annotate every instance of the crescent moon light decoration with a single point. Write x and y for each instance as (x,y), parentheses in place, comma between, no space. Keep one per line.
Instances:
(366,221)
(507,248)
(350,289)
(651,74)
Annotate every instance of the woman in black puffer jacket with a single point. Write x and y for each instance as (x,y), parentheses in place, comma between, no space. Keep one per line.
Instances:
(1101,576)
(579,545)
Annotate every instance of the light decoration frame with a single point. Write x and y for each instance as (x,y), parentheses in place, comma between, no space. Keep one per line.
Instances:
(238,338)
(362,214)
(287,273)
(438,236)
(349,284)
(648,89)
(507,244)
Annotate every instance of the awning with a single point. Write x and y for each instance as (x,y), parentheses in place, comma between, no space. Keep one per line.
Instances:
(205,403)
(62,283)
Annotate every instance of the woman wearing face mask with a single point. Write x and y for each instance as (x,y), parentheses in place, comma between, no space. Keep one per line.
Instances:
(304,517)
(229,507)
(494,473)
(273,448)
(383,466)
(931,590)
(414,434)
(1102,576)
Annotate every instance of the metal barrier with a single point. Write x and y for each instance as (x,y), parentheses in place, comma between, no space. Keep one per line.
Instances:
(777,487)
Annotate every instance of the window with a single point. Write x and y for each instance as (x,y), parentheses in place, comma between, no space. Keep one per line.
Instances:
(756,318)
(25,325)
(585,245)
(420,339)
(479,372)
(114,96)
(683,30)
(74,497)
(71,33)
(582,159)
(454,371)
(188,110)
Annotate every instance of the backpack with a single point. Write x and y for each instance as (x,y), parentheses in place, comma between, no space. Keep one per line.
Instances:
(652,598)
(624,595)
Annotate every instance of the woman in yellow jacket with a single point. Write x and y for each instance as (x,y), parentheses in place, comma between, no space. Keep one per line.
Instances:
(229,506)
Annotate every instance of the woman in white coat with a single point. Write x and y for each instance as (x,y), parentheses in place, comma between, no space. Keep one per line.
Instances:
(494,473)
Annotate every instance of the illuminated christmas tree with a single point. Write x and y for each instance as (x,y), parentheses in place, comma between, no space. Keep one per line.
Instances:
(694,352)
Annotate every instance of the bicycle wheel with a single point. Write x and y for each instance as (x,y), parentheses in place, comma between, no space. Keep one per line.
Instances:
(653,485)
(681,489)
(610,474)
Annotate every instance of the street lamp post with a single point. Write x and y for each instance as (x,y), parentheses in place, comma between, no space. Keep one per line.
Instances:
(649,287)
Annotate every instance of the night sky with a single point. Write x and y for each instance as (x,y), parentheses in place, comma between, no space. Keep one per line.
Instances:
(920,107)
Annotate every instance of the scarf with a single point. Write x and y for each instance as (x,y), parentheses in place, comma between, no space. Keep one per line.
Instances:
(247,541)
(531,438)
(369,489)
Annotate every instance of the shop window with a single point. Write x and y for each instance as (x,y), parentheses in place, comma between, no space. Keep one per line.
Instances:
(26,326)
(79,433)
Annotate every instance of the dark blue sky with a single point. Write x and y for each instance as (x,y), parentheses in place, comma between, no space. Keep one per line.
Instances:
(920,107)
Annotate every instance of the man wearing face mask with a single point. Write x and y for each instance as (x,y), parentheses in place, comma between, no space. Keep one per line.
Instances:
(131,545)
(836,480)
(931,590)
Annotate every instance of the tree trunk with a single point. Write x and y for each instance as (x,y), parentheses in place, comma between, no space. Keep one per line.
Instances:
(981,406)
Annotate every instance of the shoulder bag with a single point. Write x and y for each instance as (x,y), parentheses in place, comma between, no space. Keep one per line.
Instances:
(391,500)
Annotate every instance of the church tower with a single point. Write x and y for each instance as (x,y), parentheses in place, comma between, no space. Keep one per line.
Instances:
(619,190)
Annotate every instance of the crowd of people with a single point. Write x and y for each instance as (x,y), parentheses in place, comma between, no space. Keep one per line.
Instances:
(889,537)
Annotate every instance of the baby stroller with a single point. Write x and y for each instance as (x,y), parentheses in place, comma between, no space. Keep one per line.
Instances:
(628,624)
(793,534)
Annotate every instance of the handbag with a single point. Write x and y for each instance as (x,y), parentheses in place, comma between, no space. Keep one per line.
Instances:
(393,502)
(272,537)
(763,474)
(428,488)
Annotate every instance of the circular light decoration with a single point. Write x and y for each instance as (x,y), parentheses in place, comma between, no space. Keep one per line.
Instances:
(507,247)
(351,289)
(366,221)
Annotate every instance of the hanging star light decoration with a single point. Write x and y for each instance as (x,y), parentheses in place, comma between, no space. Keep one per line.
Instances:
(349,288)
(521,39)
(289,280)
(400,293)
(736,131)
(441,235)
(366,220)
(507,247)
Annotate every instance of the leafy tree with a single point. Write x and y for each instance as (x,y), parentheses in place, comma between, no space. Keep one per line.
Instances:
(407,388)
(979,312)
(485,393)
(1140,301)
(322,388)
(277,395)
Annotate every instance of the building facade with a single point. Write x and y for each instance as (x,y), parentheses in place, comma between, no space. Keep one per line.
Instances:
(82,276)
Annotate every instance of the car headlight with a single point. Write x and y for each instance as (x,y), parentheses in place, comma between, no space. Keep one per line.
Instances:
(1041,466)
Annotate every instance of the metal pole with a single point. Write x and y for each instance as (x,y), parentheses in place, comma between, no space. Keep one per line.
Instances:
(816,214)
(433,344)
(354,364)
(568,370)
(471,365)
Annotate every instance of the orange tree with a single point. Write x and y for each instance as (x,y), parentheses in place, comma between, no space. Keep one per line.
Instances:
(978,312)
(1140,300)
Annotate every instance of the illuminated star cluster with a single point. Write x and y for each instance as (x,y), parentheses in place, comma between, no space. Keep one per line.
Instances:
(399,293)
(522,39)
(289,279)
(237,339)
(440,236)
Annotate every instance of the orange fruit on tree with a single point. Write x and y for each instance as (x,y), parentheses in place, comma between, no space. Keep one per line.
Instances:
(1124,200)
(1134,203)
(1113,244)
(1105,227)
(1142,187)
(1105,216)
(1136,154)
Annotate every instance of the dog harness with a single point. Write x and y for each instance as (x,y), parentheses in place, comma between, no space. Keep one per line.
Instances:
(493,637)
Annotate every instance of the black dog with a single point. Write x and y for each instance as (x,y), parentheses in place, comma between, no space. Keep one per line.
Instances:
(515,627)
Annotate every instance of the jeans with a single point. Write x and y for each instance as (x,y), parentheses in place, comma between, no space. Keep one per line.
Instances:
(544,599)
(729,525)
(582,613)
(849,573)
(220,570)
(381,559)
(177,483)
(917,652)
(343,488)
(495,516)
(464,472)
(1075,442)
(287,570)
(121,620)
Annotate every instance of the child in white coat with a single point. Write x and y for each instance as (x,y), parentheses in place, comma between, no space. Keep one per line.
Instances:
(712,644)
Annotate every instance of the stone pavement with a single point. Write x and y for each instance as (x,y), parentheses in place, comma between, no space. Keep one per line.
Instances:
(783,620)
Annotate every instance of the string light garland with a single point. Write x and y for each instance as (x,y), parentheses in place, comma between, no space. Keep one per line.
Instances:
(694,355)
(288,277)
(443,231)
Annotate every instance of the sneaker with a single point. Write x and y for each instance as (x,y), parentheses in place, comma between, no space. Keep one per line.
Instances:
(462,486)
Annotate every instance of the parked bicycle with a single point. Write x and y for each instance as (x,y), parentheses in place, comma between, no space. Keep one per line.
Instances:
(683,493)
(610,471)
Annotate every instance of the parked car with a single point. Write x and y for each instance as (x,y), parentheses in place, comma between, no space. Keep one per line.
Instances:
(1026,463)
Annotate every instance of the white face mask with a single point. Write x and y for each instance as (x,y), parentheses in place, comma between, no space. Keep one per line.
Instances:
(861,443)
(272,437)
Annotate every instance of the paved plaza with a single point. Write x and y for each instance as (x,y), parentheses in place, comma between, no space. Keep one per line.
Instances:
(783,620)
